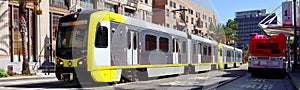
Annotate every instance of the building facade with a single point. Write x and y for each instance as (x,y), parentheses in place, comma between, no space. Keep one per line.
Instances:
(197,18)
(248,23)
(39,36)
(140,9)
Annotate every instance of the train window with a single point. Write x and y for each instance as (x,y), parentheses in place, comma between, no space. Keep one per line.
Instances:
(199,46)
(204,50)
(150,42)
(164,44)
(228,53)
(209,51)
(129,40)
(101,40)
(183,47)
(135,41)
(173,45)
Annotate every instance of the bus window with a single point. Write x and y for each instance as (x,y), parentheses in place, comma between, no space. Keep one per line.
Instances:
(101,40)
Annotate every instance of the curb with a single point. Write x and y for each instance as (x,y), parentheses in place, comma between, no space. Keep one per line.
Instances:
(294,80)
(28,77)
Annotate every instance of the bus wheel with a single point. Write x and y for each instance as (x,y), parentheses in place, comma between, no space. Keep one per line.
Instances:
(254,74)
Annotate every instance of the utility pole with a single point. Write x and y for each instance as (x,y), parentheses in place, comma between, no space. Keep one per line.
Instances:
(295,38)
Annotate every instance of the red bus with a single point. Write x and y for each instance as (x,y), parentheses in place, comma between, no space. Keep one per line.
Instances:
(267,54)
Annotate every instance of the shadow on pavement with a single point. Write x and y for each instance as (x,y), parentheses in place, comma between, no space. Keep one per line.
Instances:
(59,84)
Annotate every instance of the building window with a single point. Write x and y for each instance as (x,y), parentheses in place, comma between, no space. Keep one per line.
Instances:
(164,44)
(187,19)
(171,3)
(87,4)
(55,18)
(167,12)
(129,12)
(174,27)
(150,41)
(174,15)
(192,12)
(58,2)
(109,7)
(192,20)
(174,4)
(146,1)
(168,25)
(180,7)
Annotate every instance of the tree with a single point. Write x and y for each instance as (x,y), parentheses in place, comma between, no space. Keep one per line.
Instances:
(230,31)
(217,32)
(22,11)
(22,25)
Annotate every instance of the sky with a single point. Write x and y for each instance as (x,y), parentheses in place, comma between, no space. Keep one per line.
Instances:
(225,9)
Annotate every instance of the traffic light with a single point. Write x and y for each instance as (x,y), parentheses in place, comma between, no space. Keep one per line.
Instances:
(36,7)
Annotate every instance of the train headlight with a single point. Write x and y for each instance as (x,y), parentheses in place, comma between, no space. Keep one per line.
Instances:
(61,63)
(80,62)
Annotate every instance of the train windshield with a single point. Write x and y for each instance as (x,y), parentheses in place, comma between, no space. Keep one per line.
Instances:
(72,41)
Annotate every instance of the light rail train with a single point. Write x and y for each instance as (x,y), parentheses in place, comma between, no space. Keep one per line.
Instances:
(103,46)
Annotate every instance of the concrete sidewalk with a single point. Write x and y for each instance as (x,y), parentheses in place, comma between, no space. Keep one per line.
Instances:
(295,78)
(37,76)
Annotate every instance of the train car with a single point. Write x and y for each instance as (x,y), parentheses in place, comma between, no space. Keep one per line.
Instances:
(267,54)
(203,54)
(238,57)
(102,46)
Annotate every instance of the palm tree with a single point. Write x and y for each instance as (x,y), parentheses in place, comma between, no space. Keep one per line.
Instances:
(217,32)
(22,11)
(22,25)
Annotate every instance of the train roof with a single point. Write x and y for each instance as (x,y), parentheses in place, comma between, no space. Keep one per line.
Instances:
(195,37)
(152,26)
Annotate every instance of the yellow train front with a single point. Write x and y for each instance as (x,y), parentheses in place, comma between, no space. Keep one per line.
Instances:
(103,46)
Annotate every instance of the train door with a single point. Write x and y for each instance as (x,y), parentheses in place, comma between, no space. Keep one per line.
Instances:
(132,52)
(102,46)
(175,51)
(199,52)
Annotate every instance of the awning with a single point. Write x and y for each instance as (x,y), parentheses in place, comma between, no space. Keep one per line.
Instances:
(276,29)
